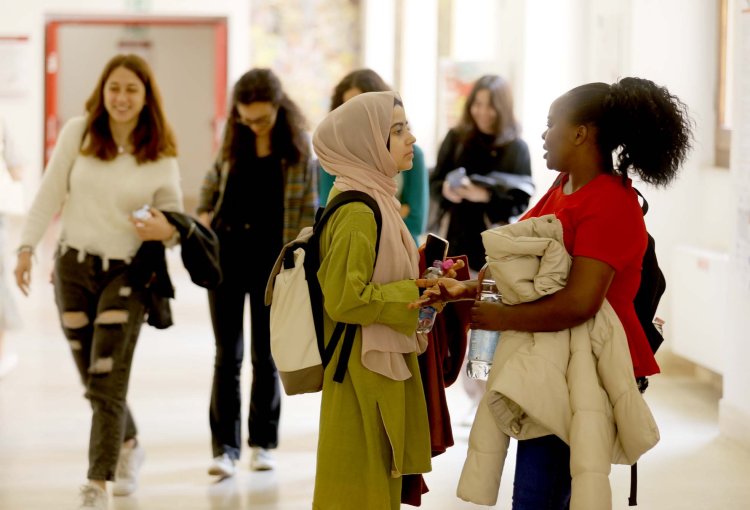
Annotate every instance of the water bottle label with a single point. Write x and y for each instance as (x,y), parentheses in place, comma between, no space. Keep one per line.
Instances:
(482,345)
(426,319)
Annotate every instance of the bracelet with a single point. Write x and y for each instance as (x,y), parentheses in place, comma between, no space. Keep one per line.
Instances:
(24,249)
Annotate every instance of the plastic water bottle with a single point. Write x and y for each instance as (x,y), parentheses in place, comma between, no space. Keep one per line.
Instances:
(482,343)
(427,313)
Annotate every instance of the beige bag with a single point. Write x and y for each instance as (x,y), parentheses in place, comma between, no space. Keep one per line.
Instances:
(296,300)
(294,345)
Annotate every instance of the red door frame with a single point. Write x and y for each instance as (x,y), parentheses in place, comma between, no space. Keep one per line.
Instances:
(51,65)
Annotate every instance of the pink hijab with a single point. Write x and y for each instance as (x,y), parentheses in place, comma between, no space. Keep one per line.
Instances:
(351,145)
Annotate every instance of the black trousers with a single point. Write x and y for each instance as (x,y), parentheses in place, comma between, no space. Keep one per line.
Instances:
(102,350)
(245,273)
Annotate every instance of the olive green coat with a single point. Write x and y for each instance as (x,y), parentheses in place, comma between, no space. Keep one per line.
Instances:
(372,429)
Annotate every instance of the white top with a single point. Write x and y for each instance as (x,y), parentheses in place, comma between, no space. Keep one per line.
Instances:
(97,197)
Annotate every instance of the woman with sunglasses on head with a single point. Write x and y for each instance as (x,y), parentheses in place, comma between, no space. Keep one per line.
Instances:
(265,158)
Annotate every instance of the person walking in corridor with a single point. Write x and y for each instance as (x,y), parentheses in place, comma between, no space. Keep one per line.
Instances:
(116,159)
(261,191)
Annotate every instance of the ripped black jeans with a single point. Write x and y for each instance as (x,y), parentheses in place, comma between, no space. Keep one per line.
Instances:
(101,316)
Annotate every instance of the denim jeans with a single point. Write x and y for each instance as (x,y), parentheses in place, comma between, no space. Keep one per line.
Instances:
(101,316)
(542,479)
(245,273)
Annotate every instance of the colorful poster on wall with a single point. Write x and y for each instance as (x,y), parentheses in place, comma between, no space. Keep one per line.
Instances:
(310,44)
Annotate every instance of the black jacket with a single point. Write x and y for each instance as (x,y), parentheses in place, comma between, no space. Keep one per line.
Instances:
(148,269)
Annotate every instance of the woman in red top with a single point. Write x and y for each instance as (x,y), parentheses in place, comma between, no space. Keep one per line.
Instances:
(649,132)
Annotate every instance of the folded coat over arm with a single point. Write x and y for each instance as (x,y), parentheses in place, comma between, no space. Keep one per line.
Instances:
(577,384)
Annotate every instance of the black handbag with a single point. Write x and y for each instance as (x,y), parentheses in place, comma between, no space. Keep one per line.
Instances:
(199,249)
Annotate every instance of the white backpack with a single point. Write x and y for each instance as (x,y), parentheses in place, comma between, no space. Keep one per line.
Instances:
(296,300)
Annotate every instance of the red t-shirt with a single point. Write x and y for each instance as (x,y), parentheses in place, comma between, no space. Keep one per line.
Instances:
(603,221)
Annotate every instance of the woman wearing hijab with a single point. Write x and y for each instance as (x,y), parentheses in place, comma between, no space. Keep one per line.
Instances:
(373,425)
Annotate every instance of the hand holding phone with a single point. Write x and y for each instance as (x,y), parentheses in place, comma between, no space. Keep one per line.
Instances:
(456,178)
(142,213)
(435,248)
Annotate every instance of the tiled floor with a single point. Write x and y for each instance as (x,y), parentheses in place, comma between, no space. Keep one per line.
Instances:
(44,424)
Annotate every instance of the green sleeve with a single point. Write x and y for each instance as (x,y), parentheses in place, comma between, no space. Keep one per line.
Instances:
(347,260)
(415,194)
(325,183)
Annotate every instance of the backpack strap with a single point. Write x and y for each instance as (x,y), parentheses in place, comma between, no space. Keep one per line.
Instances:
(313,251)
(345,197)
(346,351)
(633,485)
(644,203)
(641,381)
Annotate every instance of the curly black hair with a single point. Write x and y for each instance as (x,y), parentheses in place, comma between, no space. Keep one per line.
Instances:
(647,128)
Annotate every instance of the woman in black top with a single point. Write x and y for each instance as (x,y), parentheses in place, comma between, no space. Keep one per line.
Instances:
(483,172)
(260,193)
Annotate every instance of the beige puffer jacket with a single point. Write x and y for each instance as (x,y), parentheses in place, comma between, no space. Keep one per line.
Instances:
(577,384)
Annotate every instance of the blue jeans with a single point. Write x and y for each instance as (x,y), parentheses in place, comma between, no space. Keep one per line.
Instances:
(542,479)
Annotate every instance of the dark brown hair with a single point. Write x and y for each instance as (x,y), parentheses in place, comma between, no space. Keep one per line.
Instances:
(506,127)
(288,139)
(152,137)
(364,79)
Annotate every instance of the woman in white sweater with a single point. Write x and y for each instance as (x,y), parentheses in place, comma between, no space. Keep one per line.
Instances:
(118,158)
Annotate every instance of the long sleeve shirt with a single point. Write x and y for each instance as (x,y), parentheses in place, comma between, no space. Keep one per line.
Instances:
(97,197)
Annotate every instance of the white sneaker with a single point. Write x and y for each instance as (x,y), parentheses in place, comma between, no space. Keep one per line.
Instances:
(128,465)
(223,466)
(93,497)
(261,459)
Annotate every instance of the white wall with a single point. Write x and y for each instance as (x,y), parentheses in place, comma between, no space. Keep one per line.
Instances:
(734,409)
(379,37)
(25,114)
(419,70)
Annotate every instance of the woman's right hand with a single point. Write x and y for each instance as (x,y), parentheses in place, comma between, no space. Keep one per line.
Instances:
(23,271)
(443,290)
(450,194)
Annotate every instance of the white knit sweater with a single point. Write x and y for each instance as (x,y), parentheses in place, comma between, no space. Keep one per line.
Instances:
(97,197)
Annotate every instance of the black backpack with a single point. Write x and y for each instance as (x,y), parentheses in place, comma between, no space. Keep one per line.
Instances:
(312,263)
(653,284)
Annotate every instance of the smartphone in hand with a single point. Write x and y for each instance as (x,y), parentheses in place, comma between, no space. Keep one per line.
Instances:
(456,177)
(435,248)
